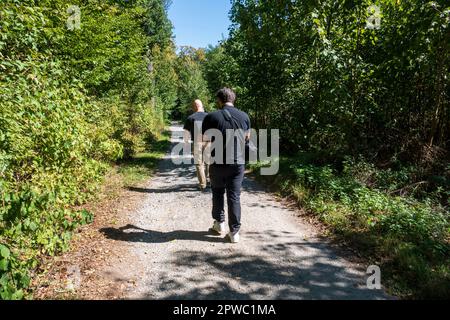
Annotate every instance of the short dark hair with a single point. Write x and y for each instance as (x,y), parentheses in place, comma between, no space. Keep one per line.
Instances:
(226,95)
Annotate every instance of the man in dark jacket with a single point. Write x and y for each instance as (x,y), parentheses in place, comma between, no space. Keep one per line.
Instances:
(228,175)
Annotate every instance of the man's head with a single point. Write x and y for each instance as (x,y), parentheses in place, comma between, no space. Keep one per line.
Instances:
(224,96)
(197,106)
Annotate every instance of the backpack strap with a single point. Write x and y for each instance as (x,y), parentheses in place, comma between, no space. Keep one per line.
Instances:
(227,115)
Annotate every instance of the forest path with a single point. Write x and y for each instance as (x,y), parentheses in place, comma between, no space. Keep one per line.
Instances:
(171,255)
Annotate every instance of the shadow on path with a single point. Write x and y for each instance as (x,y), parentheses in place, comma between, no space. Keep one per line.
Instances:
(132,233)
(179,188)
(261,277)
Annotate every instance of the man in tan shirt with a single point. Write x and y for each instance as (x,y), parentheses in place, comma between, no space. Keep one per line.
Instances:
(193,131)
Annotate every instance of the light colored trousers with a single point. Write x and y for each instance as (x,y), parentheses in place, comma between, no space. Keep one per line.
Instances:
(201,164)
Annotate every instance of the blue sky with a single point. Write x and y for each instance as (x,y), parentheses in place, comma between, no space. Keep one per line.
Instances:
(198,23)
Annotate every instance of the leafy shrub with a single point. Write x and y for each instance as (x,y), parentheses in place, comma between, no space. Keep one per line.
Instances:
(72,102)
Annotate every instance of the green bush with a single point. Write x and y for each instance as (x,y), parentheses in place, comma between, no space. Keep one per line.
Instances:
(72,102)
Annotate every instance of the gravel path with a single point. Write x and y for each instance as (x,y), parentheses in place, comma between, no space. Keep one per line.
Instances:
(171,256)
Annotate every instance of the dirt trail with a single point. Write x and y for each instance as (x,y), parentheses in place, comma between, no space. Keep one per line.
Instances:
(169,254)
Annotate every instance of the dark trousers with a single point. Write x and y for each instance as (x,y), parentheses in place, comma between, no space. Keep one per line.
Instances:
(227,178)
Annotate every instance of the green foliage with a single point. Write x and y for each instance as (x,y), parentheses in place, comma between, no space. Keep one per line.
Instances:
(191,80)
(71,103)
(165,77)
(220,69)
(337,85)
(142,165)
(13,276)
